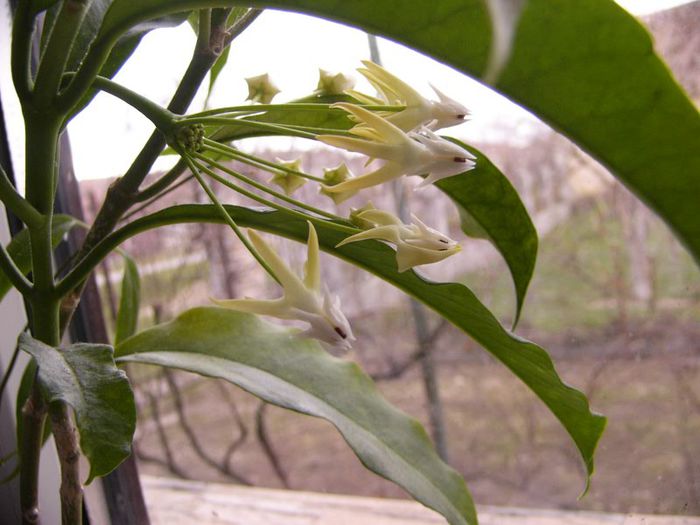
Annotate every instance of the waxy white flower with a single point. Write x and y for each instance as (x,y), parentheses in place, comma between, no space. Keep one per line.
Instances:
(435,114)
(289,182)
(421,153)
(302,300)
(416,244)
(333,84)
(261,89)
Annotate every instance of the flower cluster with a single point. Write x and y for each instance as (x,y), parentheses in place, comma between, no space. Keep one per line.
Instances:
(395,129)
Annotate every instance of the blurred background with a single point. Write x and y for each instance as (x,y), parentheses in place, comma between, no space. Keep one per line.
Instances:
(615,299)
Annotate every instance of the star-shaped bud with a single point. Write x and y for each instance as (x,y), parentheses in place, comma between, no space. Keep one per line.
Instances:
(333,176)
(419,111)
(421,153)
(416,244)
(333,84)
(289,182)
(261,89)
(303,300)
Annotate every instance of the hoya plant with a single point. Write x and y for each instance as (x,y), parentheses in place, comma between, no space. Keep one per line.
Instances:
(585,67)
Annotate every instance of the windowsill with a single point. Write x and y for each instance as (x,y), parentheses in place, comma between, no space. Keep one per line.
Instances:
(176,502)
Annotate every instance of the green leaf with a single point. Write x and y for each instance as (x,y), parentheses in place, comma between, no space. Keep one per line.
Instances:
(297,374)
(86,377)
(588,68)
(454,302)
(129,301)
(332,119)
(491,208)
(21,254)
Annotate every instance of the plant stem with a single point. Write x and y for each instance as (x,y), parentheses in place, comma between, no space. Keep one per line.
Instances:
(123,192)
(22,32)
(13,273)
(33,417)
(64,434)
(153,190)
(227,218)
(16,203)
(162,118)
(57,50)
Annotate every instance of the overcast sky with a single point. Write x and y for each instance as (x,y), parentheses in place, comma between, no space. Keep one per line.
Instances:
(290,48)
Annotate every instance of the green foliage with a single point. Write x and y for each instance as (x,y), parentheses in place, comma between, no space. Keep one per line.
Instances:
(490,208)
(454,302)
(20,251)
(588,69)
(86,377)
(129,300)
(297,374)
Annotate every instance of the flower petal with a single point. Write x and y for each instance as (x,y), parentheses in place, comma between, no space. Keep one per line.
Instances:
(312,268)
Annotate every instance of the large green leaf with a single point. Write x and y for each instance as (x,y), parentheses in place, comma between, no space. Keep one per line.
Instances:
(20,251)
(129,301)
(296,373)
(491,208)
(585,66)
(86,377)
(454,302)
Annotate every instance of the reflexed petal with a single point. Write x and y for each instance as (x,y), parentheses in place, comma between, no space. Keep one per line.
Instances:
(383,233)
(389,171)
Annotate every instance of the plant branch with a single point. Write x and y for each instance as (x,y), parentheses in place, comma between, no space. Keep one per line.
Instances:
(162,118)
(13,273)
(22,32)
(154,189)
(16,203)
(156,198)
(33,418)
(57,50)
(122,193)
(71,491)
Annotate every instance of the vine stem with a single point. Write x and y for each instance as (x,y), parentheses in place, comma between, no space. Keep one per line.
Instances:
(227,218)
(71,491)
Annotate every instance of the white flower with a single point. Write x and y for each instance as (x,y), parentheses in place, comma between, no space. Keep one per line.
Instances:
(416,244)
(421,153)
(435,114)
(303,300)
(333,84)
(261,89)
